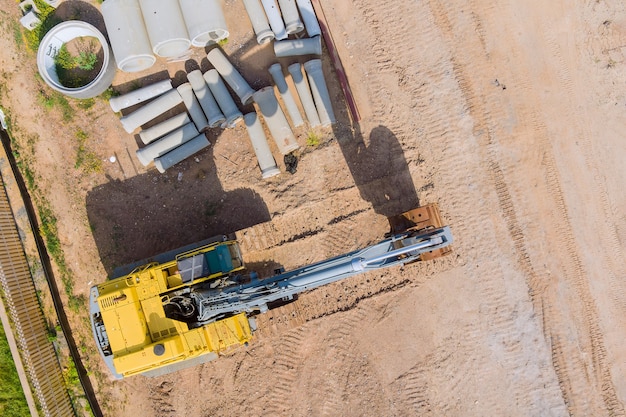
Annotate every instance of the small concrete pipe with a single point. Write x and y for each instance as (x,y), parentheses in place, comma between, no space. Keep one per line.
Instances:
(140,95)
(304,93)
(308,16)
(153,133)
(128,36)
(307,46)
(193,107)
(292,108)
(239,85)
(166,27)
(323,103)
(166,143)
(207,102)
(259,21)
(267,163)
(276,21)
(180,153)
(151,110)
(276,120)
(288,9)
(205,21)
(223,98)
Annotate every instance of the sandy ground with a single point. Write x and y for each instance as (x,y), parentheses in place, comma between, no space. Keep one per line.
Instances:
(509,115)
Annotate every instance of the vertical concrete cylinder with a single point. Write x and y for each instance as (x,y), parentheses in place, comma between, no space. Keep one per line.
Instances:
(184,151)
(288,9)
(205,21)
(307,46)
(239,85)
(140,95)
(151,110)
(276,21)
(166,143)
(290,104)
(308,16)
(275,120)
(193,107)
(267,163)
(207,102)
(223,97)
(304,93)
(153,133)
(166,27)
(128,36)
(259,21)
(323,103)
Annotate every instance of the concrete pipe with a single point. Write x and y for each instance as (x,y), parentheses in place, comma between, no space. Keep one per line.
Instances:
(52,43)
(223,98)
(166,143)
(323,103)
(193,107)
(267,163)
(153,133)
(205,21)
(127,32)
(207,102)
(151,110)
(180,153)
(259,21)
(276,21)
(140,95)
(288,9)
(308,16)
(307,46)
(275,120)
(166,27)
(304,93)
(239,85)
(292,108)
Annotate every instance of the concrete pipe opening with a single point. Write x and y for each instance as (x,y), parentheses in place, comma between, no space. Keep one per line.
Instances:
(205,21)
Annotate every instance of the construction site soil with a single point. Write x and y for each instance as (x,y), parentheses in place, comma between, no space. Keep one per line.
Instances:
(510,115)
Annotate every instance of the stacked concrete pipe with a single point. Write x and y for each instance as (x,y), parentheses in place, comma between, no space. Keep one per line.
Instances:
(223,98)
(140,95)
(166,27)
(207,102)
(161,129)
(267,163)
(275,120)
(166,143)
(275,19)
(321,96)
(295,47)
(230,74)
(151,110)
(290,104)
(308,16)
(181,153)
(193,107)
(289,11)
(304,93)
(259,21)
(205,21)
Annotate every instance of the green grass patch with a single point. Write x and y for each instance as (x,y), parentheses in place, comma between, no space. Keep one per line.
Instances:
(12,400)
(86,104)
(313,139)
(86,159)
(48,21)
(56,100)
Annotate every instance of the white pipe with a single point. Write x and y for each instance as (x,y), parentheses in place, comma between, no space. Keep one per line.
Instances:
(288,9)
(276,21)
(267,163)
(166,143)
(309,18)
(292,108)
(239,85)
(166,27)
(128,36)
(321,96)
(259,21)
(207,102)
(275,120)
(307,46)
(305,94)
(193,107)
(140,95)
(151,110)
(153,133)
(223,97)
(205,21)
(185,150)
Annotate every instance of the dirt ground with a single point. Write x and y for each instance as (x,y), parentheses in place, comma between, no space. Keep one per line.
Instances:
(509,115)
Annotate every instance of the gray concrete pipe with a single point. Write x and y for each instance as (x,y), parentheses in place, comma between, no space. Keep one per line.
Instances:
(304,93)
(307,46)
(276,120)
(205,21)
(267,163)
(273,16)
(140,95)
(321,96)
(153,133)
(230,74)
(193,107)
(259,21)
(223,97)
(151,110)
(180,153)
(166,143)
(207,102)
(308,16)
(288,9)
(290,104)
(128,36)
(166,27)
